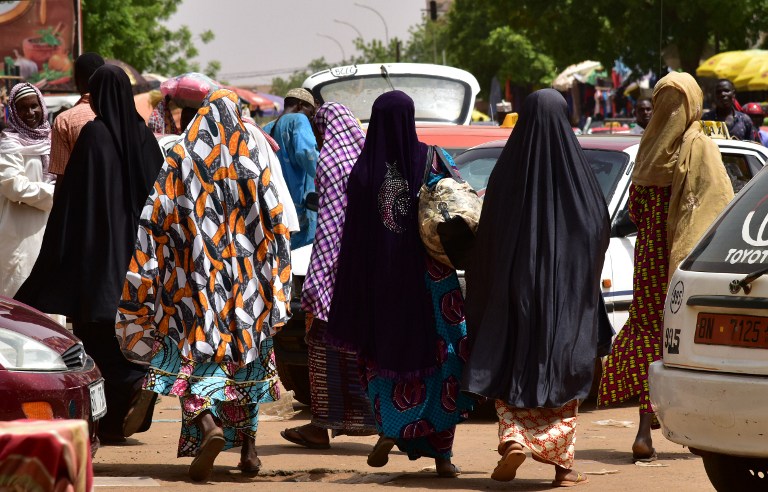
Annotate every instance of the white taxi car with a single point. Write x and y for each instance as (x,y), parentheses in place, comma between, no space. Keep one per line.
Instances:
(710,391)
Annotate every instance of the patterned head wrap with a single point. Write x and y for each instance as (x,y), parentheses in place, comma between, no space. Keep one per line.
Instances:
(342,140)
(27,135)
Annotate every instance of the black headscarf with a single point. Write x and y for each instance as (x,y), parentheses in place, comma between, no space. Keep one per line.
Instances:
(381,306)
(92,228)
(533,297)
(112,101)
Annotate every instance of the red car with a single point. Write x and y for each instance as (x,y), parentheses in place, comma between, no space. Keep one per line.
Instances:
(44,371)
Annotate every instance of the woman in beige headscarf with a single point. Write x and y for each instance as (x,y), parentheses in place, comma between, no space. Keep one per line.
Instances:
(679,186)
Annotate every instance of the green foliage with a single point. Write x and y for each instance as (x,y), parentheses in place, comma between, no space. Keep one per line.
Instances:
(132,31)
(519,60)
(569,31)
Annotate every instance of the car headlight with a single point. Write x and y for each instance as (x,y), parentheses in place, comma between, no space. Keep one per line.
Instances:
(21,353)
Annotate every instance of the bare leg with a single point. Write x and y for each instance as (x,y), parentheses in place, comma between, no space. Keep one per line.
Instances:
(249,459)
(446,469)
(642,448)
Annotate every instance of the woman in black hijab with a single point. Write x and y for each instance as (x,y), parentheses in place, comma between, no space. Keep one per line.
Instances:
(90,237)
(533,298)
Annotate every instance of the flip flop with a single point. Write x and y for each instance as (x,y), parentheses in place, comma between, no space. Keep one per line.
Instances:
(454,472)
(302,439)
(137,412)
(380,454)
(506,470)
(580,479)
(202,465)
(645,459)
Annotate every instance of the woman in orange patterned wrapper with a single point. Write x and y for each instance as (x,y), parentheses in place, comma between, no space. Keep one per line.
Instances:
(210,277)
(679,186)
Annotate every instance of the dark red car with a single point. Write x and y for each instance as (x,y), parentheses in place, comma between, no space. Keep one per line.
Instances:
(44,370)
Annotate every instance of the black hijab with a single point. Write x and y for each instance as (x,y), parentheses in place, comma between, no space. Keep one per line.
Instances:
(533,297)
(381,306)
(92,228)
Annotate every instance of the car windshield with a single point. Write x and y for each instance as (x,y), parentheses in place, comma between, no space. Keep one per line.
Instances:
(738,241)
(436,99)
(476,165)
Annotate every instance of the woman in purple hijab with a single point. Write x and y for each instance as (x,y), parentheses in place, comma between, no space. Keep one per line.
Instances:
(401,310)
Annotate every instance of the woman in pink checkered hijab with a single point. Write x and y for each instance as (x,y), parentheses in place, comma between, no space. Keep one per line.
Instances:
(338,400)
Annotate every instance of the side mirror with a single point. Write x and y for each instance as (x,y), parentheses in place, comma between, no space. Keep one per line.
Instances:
(312,201)
(623,225)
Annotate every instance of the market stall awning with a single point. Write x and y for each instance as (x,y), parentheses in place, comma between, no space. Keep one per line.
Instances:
(728,64)
(580,71)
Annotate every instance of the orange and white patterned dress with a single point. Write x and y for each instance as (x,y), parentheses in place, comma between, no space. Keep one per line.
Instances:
(549,433)
(210,279)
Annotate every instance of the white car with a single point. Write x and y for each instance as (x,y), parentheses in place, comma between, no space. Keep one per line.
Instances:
(441,94)
(612,157)
(710,391)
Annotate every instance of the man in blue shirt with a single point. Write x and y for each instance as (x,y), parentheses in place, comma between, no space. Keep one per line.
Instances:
(298,153)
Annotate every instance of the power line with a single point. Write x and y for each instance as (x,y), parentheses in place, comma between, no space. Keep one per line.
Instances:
(275,71)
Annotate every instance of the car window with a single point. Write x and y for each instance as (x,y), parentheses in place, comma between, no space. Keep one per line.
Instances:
(475,166)
(608,166)
(738,242)
(738,169)
(435,99)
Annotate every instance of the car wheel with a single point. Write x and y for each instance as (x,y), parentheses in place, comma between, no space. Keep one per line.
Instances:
(732,473)
(295,378)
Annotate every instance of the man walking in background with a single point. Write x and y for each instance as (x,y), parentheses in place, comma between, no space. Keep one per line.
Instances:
(293,132)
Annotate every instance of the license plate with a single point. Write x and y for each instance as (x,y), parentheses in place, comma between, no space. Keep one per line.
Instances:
(732,329)
(98,400)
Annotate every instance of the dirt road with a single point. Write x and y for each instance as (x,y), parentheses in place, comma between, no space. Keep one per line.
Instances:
(602,451)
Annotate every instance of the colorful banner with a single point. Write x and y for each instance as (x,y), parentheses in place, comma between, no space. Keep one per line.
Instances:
(40,38)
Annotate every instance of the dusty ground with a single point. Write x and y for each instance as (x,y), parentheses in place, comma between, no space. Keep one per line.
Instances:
(602,451)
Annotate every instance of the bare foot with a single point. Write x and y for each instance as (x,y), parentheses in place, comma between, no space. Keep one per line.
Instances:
(249,459)
(642,448)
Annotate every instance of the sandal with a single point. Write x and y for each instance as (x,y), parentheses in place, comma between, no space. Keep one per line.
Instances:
(506,470)
(302,440)
(202,465)
(580,479)
(379,456)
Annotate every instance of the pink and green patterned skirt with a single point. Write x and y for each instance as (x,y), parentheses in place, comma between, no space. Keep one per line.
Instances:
(232,394)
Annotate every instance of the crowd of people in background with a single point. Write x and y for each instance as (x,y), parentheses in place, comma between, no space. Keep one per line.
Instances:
(190,240)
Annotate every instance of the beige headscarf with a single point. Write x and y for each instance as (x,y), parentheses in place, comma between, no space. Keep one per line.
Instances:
(674,151)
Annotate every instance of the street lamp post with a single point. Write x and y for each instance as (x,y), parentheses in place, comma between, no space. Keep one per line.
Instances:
(386,28)
(343,55)
(359,34)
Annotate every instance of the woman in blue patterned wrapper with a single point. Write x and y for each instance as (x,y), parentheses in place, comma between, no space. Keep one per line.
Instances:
(405,315)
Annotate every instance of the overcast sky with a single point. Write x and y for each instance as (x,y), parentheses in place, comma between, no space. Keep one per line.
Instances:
(261,37)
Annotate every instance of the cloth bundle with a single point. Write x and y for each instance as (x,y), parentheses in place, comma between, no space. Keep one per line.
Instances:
(449,211)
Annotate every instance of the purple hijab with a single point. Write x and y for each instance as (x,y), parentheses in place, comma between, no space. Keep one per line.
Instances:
(381,306)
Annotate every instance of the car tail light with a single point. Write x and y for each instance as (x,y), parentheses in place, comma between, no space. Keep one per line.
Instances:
(40,410)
